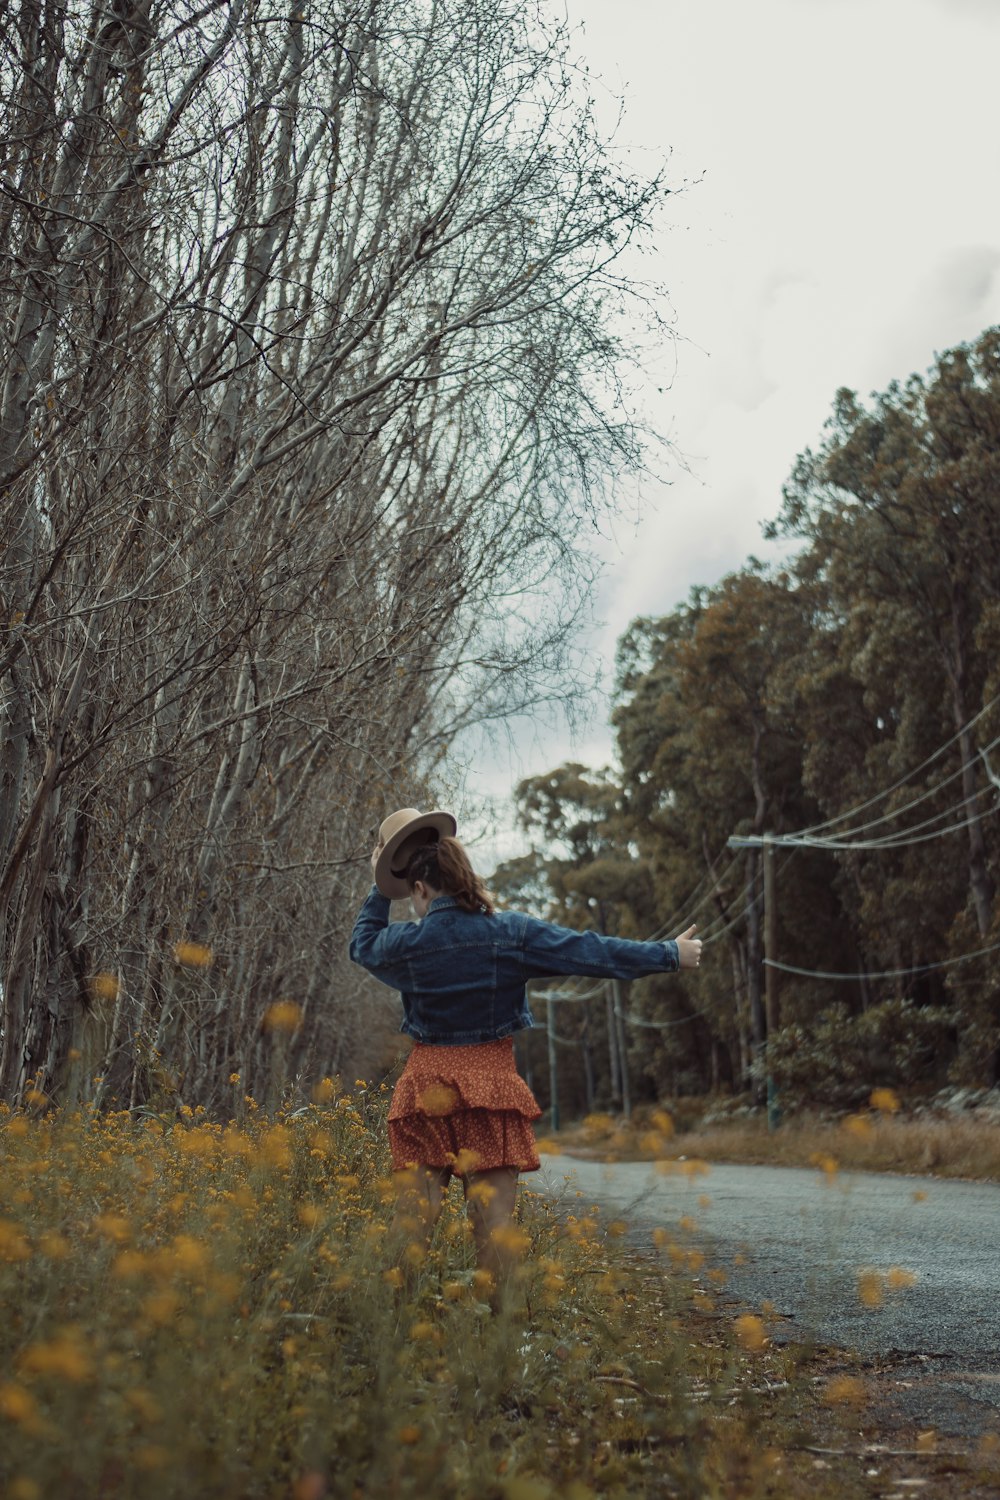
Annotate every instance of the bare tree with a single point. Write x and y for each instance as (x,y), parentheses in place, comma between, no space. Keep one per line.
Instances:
(313,341)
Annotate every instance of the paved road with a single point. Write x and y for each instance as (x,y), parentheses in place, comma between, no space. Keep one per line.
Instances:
(805,1238)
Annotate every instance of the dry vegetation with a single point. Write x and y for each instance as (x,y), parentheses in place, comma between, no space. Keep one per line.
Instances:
(201,1309)
(878,1139)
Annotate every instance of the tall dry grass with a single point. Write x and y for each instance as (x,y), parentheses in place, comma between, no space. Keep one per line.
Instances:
(960,1146)
(879,1139)
(196,1309)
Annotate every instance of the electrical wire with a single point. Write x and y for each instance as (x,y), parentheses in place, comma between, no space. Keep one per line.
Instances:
(687,909)
(945,963)
(899,811)
(887,791)
(890,843)
(664,1025)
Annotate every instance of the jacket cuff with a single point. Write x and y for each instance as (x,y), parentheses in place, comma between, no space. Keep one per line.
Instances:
(673,956)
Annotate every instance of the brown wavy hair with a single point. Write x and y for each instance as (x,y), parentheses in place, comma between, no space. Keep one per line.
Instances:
(444,866)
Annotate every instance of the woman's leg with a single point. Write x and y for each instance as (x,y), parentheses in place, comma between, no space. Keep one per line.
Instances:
(491,1197)
(419,1196)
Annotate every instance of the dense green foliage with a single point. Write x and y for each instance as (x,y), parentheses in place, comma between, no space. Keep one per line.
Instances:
(848,701)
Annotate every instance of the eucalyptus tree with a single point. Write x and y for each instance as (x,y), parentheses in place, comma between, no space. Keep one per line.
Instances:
(315,340)
(711,746)
(897,509)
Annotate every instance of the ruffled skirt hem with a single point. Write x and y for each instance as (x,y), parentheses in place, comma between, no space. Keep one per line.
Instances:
(464,1108)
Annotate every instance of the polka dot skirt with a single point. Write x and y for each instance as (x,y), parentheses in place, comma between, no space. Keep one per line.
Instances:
(466,1108)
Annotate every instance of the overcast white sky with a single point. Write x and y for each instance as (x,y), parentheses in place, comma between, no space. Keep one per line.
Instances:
(845,228)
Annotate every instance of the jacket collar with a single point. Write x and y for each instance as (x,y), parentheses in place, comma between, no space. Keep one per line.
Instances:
(441,903)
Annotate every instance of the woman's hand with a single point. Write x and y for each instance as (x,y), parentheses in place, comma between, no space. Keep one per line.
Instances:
(378,850)
(689,949)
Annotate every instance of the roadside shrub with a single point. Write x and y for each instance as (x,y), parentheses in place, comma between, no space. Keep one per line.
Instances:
(838,1059)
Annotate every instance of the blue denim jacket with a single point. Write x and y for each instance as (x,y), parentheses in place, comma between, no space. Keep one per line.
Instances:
(462,974)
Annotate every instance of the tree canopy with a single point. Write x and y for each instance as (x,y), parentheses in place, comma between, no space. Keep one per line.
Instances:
(848,705)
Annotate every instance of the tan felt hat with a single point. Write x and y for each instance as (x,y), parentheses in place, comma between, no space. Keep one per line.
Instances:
(400,835)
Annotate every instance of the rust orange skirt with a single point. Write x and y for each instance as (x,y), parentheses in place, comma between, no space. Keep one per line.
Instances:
(466,1108)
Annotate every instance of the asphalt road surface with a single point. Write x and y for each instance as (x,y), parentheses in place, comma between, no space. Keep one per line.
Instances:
(799,1240)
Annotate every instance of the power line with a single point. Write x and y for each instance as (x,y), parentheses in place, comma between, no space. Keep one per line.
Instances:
(915,802)
(664,1025)
(900,842)
(686,911)
(887,791)
(945,963)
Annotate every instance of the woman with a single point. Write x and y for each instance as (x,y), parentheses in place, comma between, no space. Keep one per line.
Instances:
(460,1105)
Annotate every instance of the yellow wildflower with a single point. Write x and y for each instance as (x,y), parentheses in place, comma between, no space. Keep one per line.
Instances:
(24,1488)
(17,1404)
(151,1456)
(871,1292)
(512,1239)
(187,1255)
(825,1162)
(466,1161)
(63,1356)
(438,1099)
(751,1332)
(886,1101)
(283,1015)
(113,1227)
(130,1264)
(309,1486)
(160,1307)
(845,1390)
(144,1404)
(53,1245)
(13,1244)
(194,955)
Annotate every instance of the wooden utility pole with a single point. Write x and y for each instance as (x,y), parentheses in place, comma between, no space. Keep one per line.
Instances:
(772,1007)
(550,1026)
(619,1019)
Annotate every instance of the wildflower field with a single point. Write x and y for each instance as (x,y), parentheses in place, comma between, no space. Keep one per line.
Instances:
(202,1309)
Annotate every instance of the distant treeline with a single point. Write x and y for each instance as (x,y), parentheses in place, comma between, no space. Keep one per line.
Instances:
(848,699)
